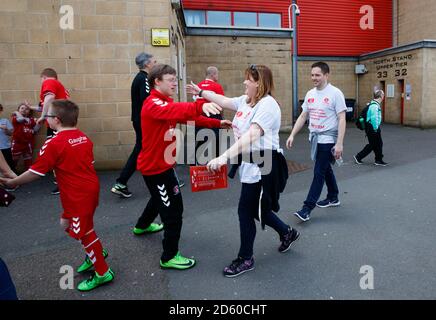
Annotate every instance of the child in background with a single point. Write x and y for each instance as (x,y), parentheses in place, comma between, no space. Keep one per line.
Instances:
(69,154)
(6,130)
(25,128)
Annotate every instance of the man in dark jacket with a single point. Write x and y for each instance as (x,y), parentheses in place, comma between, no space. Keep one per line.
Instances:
(140,90)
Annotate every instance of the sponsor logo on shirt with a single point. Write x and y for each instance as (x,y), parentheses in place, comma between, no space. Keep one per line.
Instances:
(239,114)
(311,100)
(159,102)
(77,141)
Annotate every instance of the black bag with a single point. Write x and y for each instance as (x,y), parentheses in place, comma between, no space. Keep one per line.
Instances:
(361,119)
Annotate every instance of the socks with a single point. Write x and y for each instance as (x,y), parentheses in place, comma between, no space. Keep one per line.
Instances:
(94,250)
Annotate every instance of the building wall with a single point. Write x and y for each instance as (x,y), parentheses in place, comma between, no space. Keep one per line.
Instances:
(340,28)
(95,61)
(233,56)
(416,20)
(428,104)
(341,75)
(325,28)
(391,68)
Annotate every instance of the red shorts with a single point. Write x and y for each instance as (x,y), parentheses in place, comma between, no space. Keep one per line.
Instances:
(79,226)
(21,149)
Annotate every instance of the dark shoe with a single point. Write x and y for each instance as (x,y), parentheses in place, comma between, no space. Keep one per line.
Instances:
(288,239)
(181,183)
(380,163)
(55,191)
(121,190)
(238,266)
(357,161)
(303,214)
(328,203)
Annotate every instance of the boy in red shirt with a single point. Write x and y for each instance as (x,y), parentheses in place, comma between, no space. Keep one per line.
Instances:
(69,154)
(51,89)
(156,161)
(25,128)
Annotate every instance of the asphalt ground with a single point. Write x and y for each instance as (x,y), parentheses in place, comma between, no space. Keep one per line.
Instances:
(386,221)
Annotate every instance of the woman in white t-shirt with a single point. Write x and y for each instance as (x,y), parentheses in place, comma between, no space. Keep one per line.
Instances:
(256,127)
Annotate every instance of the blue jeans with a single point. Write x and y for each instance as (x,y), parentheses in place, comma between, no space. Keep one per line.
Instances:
(248,211)
(322,172)
(7,288)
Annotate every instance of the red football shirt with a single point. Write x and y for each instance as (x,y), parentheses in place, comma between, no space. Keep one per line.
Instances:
(211,85)
(70,154)
(53,86)
(23,131)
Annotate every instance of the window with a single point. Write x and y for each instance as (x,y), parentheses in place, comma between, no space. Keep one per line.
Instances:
(270,20)
(228,18)
(195,18)
(245,19)
(219,18)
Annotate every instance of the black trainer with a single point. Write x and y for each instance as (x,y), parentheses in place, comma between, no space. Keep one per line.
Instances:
(357,161)
(380,163)
(288,239)
(303,214)
(238,266)
(121,190)
(328,203)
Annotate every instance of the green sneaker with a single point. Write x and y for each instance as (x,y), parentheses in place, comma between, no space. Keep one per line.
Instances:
(87,264)
(153,227)
(178,262)
(96,281)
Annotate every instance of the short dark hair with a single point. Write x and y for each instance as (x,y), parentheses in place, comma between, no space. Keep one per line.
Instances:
(323,66)
(1,107)
(66,111)
(158,71)
(49,72)
(378,94)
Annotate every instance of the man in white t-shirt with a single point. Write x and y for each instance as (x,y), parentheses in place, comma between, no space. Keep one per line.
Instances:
(325,107)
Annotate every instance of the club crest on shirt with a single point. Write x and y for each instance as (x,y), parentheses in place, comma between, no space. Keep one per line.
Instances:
(176,190)
(326,100)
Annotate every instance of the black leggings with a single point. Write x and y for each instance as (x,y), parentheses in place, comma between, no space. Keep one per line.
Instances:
(248,211)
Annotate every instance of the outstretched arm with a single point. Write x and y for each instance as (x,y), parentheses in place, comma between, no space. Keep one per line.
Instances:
(24,178)
(5,170)
(211,96)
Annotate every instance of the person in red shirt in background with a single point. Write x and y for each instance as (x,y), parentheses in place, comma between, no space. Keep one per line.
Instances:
(51,89)
(25,128)
(69,154)
(156,161)
(211,84)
